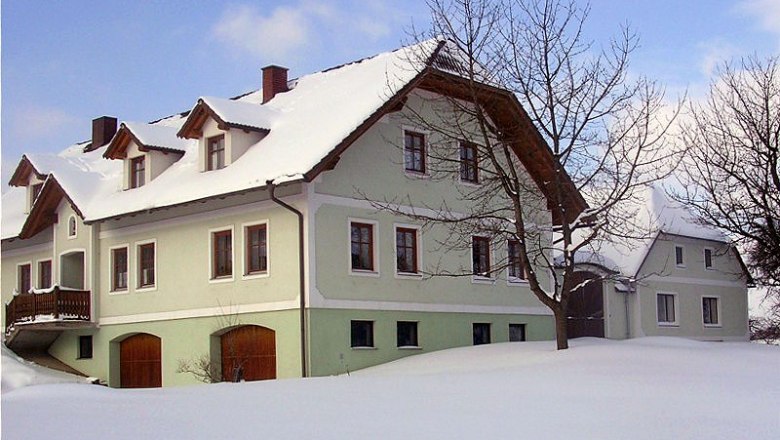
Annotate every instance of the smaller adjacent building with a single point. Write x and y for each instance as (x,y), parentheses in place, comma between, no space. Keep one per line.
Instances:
(683,279)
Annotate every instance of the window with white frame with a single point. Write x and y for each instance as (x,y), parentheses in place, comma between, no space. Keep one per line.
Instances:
(515,267)
(414,152)
(406,334)
(24,277)
(119,269)
(44,274)
(480,256)
(679,256)
(146,265)
(362,246)
(362,334)
(222,254)
(710,311)
(406,250)
(72,227)
(256,252)
(707,258)
(666,308)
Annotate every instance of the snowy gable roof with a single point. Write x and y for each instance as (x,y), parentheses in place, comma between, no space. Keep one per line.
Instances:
(303,124)
(148,137)
(655,214)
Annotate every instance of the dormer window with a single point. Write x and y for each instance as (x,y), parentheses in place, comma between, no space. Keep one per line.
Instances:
(215,151)
(137,172)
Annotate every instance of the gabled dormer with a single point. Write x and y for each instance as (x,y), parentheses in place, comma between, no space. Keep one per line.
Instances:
(147,150)
(27,176)
(226,128)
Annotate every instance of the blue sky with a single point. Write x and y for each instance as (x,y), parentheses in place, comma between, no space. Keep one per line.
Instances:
(64,63)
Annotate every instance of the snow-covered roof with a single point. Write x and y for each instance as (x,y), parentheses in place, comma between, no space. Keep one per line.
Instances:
(158,136)
(655,214)
(305,124)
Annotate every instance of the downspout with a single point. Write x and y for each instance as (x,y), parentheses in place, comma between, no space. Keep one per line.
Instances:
(302,279)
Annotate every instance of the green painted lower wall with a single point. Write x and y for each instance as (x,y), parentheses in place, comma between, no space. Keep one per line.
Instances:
(330,350)
(182,339)
(330,335)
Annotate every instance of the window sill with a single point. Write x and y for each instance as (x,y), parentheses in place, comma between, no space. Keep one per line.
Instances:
(680,266)
(470,184)
(218,280)
(517,282)
(255,276)
(408,275)
(150,288)
(363,348)
(364,273)
(713,326)
(668,324)
(410,347)
(83,358)
(482,280)
(417,175)
(119,292)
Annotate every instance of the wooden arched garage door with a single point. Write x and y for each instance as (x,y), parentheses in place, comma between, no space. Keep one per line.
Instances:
(248,353)
(140,361)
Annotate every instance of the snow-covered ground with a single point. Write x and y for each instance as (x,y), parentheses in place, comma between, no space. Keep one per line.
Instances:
(18,373)
(641,389)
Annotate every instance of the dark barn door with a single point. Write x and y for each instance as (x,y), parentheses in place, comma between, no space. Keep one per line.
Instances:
(140,362)
(248,353)
(585,310)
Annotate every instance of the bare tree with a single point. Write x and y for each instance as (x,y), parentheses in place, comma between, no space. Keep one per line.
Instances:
(508,69)
(731,178)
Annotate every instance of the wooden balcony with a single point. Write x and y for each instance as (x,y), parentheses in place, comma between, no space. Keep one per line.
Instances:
(54,309)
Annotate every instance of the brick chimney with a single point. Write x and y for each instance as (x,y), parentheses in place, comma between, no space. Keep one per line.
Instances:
(274,81)
(103,129)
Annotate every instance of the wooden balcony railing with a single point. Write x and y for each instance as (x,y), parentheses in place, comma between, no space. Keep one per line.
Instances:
(57,305)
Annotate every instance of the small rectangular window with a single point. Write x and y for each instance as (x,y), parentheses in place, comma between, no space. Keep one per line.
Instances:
(362,334)
(24,278)
(137,172)
(362,246)
(679,256)
(146,276)
(406,250)
(85,347)
(709,307)
(222,259)
(469,162)
(44,274)
(481,333)
(516,269)
(406,334)
(666,312)
(256,249)
(414,152)
(516,332)
(480,256)
(119,269)
(215,153)
(708,258)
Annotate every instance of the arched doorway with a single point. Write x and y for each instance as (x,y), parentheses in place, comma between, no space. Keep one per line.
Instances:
(248,353)
(140,361)
(585,311)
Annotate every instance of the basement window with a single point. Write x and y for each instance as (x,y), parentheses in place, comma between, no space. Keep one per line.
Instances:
(85,347)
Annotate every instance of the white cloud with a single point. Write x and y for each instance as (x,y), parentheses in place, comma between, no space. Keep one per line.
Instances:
(714,54)
(274,36)
(767,12)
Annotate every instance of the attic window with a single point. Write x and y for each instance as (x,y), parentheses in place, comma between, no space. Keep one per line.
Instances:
(215,153)
(72,227)
(137,172)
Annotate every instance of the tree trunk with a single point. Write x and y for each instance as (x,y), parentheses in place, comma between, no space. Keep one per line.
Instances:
(561,336)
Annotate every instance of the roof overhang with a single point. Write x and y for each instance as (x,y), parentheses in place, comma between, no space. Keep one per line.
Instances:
(23,172)
(44,212)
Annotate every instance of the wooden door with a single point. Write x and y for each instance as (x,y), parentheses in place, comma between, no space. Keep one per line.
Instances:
(248,353)
(140,361)
(585,311)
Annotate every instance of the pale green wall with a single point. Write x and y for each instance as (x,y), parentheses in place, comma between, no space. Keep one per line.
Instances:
(690,284)
(334,281)
(183,269)
(182,339)
(9,269)
(330,335)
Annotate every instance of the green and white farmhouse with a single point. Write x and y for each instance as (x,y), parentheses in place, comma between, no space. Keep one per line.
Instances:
(242,232)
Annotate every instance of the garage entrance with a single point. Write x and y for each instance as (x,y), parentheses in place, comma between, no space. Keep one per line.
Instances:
(140,361)
(585,311)
(248,353)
